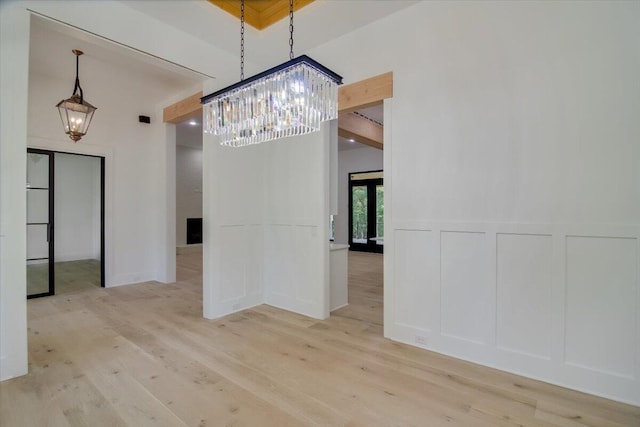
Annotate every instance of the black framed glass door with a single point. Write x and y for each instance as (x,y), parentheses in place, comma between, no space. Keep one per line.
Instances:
(40,219)
(366,211)
(66,254)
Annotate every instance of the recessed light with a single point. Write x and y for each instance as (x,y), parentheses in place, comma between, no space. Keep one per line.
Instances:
(193,123)
(352,140)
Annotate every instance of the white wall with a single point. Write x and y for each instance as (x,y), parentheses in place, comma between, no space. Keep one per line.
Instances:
(188,189)
(508,118)
(296,247)
(356,160)
(266,210)
(77,207)
(98,18)
(233,211)
(134,154)
(513,165)
(14,63)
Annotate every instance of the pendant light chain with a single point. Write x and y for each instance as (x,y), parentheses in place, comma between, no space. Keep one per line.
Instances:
(290,29)
(77,85)
(241,40)
(290,99)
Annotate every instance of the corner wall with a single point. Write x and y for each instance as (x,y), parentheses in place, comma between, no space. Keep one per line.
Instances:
(514,168)
(266,215)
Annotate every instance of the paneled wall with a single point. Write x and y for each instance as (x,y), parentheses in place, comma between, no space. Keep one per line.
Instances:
(233,243)
(544,301)
(296,189)
(266,213)
(512,184)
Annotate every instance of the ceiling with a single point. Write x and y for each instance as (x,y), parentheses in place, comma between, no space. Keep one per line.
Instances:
(50,50)
(50,54)
(315,24)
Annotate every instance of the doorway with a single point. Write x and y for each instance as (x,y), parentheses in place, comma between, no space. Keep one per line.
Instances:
(65,222)
(366,211)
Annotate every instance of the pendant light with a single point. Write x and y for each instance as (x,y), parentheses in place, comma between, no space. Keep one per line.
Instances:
(75,112)
(290,99)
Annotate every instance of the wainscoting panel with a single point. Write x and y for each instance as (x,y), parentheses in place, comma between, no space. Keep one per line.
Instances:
(416,293)
(232,262)
(240,262)
(558,303)
(467,297)
(305,263)
(278,268)
(295,277)
(601,301)
(524,280)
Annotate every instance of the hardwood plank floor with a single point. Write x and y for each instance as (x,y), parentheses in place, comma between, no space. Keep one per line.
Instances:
(70,276)
(143,355)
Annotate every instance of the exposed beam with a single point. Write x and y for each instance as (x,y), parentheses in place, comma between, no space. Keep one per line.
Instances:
(362,94)
(182,110)
(365,93)
(362,130)
(260,13)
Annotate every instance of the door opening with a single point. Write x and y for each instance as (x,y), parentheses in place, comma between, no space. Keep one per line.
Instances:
(65,222)
(366,211)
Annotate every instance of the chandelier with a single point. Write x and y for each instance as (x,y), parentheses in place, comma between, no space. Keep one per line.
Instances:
(290,99)
(75,112)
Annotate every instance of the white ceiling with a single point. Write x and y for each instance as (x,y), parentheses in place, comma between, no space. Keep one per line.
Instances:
(50,54)
(314,25)
(317,23)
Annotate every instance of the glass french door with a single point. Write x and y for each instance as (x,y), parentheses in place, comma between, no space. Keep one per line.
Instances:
(366,212)
(40,247)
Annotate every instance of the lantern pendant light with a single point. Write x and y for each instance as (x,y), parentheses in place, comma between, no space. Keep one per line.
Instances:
(290,99)
(75,112)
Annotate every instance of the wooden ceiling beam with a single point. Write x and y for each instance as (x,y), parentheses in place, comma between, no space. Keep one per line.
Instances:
(260,14)
(360,129)
(182,110)
(365,93)
(352,97)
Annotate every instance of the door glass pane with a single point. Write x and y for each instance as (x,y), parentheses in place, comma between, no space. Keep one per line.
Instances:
(37,206)
(37,170)
(359,209)
(380,214)
(37,277)
(37,242)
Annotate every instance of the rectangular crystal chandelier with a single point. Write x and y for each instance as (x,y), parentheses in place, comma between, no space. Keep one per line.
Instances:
(290,99)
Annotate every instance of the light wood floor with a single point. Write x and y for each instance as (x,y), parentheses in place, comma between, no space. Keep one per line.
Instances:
(142,355)
(70,276)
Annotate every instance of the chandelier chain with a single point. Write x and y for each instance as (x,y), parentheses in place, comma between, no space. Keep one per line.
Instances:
(290,29)
(241,40)
(77,86)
